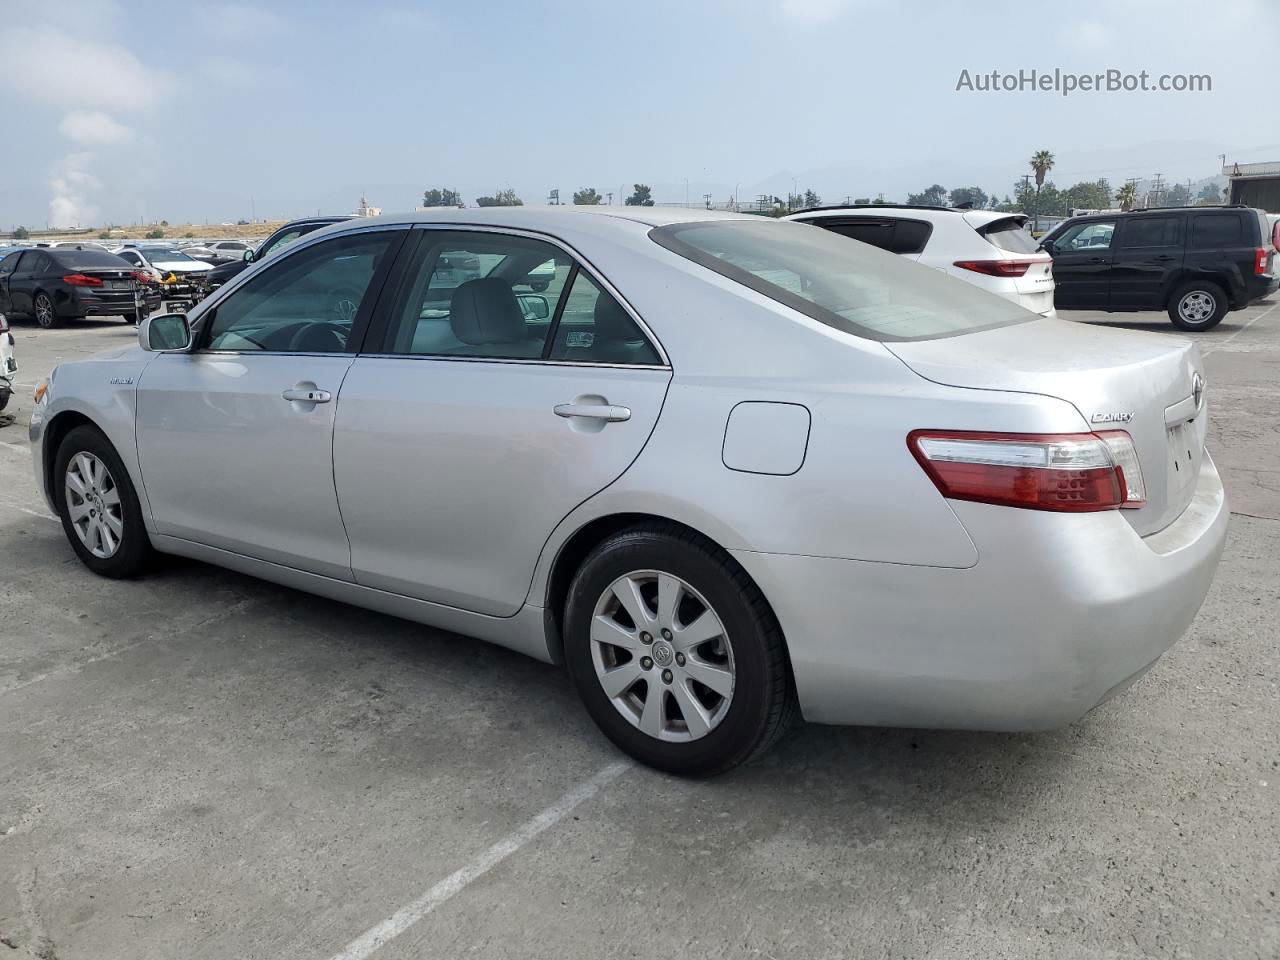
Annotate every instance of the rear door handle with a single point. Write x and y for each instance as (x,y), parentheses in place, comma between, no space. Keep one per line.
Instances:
(307,396)
(608,412)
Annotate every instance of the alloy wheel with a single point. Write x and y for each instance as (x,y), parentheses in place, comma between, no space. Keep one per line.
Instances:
(93,505)
(662,656)
(1197,306)
(44,311)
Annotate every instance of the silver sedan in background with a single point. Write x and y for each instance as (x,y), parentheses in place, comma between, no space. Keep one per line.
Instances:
(723,468)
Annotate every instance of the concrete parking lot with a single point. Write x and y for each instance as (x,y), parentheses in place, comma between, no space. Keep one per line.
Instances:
(197,764)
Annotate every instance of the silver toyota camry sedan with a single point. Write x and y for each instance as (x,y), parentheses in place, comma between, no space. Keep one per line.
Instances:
(724,469)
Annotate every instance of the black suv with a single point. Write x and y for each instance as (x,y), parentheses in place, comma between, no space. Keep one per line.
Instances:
(291,231)
(1195,262)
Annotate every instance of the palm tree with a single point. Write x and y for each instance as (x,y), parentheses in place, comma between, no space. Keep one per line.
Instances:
(1127,196)
(1041,163)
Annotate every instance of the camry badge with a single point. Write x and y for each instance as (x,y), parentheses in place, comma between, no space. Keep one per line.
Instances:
(121,380)
(1117,417)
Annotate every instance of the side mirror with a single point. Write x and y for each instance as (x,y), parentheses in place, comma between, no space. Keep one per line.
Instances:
(533,306)
(165,333)
(248,256)
(1047,246)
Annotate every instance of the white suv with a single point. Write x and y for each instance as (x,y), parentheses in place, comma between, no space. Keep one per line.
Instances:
(988,249)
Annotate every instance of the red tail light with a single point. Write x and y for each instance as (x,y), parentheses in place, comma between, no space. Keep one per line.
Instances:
(997,268)
(80,280)
(142,277)
(1064,472)
(1260,258)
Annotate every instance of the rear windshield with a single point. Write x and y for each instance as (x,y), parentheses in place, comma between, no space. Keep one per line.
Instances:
(851,287)
(1009,235)
(88,259)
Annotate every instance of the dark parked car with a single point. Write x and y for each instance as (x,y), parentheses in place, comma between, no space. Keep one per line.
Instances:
(1195,262)
(56,284)
(291,231)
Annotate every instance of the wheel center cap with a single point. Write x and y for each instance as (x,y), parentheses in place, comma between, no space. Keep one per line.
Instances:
(663,655)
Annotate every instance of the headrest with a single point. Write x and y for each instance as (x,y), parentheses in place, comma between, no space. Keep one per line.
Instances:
(611,321)
(486,311)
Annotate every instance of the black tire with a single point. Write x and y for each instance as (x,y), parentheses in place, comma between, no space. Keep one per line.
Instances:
(132,318)
(540,286)
(44,312)
(763,702)
(1190,301)
(134,549)
(5,394)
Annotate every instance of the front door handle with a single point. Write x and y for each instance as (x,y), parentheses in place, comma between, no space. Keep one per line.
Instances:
(608,412)
(301,395)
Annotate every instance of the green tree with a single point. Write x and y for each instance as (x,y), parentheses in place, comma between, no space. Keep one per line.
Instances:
(441,197)
(1041,164)
(976,197)
(1088,195)
(1210,193)
(586,197)
(501,198)
(21,233)
(934,196)
(642,196)
(811,199)
(156,234)
(1127,196)
(1179,195)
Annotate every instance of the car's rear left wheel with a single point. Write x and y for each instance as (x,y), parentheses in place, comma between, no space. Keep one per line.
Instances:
(44,312)
(99,508)
(675,652)
(1198,305)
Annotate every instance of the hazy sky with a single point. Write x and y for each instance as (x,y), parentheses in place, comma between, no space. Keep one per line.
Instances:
(183,110)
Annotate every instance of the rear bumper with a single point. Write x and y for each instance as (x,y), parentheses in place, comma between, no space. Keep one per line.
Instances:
(1256,288)
(78,303)
(1060,612)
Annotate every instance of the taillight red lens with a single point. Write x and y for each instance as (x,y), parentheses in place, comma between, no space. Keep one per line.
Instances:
(997,268)
(1068,472)
(80,280)
(1260,258)
(142,277)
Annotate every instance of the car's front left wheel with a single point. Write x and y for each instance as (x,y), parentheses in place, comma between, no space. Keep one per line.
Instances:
(675,653)
(99,508)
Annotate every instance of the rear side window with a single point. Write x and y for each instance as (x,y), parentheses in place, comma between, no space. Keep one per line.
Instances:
(878,233)
(1009,235)
(864,292)
(1216,230)
(1150,232)
(911,236)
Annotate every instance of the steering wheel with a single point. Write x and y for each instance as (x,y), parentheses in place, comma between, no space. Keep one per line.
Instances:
(335,332)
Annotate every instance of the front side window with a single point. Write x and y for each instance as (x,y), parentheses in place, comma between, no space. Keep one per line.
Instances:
(861,291)
(307,302)
(479,295)
(1087,236)
(281,242)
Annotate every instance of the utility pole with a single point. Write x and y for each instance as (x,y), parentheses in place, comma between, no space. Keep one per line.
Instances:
(610,196)
(1155,195)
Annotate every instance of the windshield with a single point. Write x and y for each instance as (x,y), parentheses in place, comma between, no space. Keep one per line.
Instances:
(844,284)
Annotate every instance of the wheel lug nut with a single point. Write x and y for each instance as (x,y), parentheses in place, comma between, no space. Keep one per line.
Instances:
(646,638)
(666,676)
(680,659)
(666,634)
(646,663)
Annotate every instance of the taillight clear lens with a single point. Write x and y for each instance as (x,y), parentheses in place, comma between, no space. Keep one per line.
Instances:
(1260,258)
(1125,456)
(1073,472)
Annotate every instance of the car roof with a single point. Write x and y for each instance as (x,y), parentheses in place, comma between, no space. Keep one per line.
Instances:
(922,211)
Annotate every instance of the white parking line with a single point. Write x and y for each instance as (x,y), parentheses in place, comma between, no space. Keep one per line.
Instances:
(28,511)
(1226,340)
(411,913)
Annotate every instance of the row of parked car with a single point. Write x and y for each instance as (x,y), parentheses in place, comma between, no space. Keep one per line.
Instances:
(1195,262)
(74,279)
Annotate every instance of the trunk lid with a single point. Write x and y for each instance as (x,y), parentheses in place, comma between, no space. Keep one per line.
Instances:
(1106,374)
